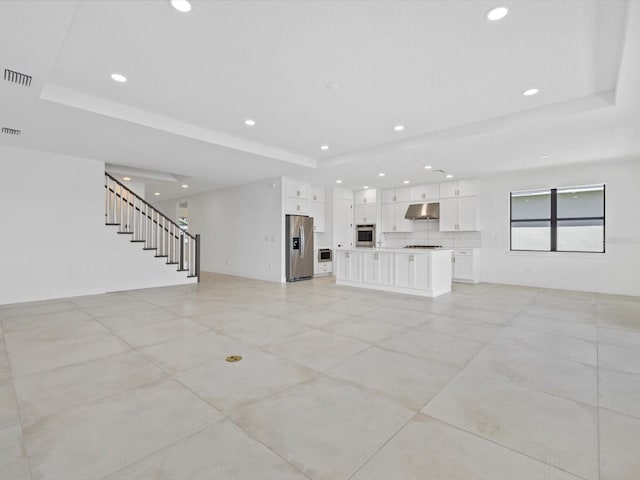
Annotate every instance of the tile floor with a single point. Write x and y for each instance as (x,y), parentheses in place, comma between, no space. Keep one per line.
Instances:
(489,382)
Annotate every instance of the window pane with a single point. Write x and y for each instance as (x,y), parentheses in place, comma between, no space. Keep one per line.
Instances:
(532,204)
(581,235)
(579,202)
(531,236)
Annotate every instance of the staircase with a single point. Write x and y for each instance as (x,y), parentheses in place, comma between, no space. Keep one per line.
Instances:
(150,228)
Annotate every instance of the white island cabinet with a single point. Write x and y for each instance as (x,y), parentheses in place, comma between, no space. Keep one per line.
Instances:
(417,272)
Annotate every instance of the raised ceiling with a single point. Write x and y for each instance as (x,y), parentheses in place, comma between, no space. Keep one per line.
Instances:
(316,72)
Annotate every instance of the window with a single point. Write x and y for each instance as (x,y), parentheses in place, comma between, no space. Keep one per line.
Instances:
(568,219)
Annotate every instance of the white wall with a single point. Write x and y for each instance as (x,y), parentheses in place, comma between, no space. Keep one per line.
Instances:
(241,230)
(616,271)
(129,267)
(52,226)
(53,238)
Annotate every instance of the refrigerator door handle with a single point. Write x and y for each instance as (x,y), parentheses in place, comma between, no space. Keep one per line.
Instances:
(301,241)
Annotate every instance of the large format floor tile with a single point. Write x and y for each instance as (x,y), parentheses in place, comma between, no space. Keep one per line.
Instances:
(617,357)
(574,349)
(46,335)
(447,349)
(365,329)
(326,428)
(512,382)
(426,449)
(222,451)
(564,378)
(619,391)
(14,463)
(408,380)
(316,349)
(66,352)
(619,446)
(226,385)
(160,332)
(561,432)
(92,441)
(53,391)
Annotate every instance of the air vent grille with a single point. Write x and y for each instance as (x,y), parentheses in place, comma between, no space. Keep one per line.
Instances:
(17,77)
(439,171)
(11,131)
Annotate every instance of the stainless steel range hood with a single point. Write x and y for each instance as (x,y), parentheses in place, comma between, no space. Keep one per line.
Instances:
(423,211)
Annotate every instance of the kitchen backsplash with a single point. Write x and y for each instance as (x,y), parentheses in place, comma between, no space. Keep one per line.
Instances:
(426,232)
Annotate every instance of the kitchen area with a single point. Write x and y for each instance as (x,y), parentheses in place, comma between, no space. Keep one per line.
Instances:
(413,239)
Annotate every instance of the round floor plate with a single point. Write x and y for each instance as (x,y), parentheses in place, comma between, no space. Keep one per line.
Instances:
(234,358)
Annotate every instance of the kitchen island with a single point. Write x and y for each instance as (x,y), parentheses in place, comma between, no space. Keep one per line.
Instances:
(420,272)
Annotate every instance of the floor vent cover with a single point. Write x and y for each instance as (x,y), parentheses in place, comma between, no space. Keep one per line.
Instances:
(17,77)
(11,131)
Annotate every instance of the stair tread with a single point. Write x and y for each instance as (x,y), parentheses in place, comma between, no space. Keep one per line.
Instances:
(125,233)
(149,248)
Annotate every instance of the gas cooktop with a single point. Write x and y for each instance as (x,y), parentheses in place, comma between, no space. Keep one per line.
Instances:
(423,246)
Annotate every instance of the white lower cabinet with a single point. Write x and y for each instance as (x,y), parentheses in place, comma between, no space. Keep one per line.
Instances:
(377,268)
(465,267)
(427,274)
(411,271)
(348,267)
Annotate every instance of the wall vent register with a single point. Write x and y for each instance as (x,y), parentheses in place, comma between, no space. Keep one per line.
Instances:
(17,77)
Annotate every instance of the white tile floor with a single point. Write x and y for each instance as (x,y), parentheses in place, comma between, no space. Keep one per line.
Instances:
(489,382)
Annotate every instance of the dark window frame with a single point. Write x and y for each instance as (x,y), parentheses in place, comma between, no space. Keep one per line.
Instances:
(553,220)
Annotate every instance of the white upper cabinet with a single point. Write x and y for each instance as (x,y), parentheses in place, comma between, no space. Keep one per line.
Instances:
(296,188)
(461,188)
(365,197)
(459,214)
(317,208)
(365,214)
(424,193)
(317,194)
(392,218)
(317,211)
(395,195)
(297,196)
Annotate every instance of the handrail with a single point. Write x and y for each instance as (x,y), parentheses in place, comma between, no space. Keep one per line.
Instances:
(147,203)
(150,218)
(137,217)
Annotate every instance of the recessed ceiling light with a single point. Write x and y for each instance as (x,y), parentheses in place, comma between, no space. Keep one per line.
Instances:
(406,181)
(449,176)
(497,13)
(324,147)
(118,77)
(338,181)
(398,128)
(249,122)
(156,194)
(544,156)
(428,167)
(366,186)
(381,174)
(185,186)
(181,5)
(126,179)
(531,91)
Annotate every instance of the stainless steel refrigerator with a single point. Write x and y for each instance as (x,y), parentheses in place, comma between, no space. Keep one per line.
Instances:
(299,238)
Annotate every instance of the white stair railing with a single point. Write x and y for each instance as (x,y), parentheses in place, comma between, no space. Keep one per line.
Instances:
(135,217)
